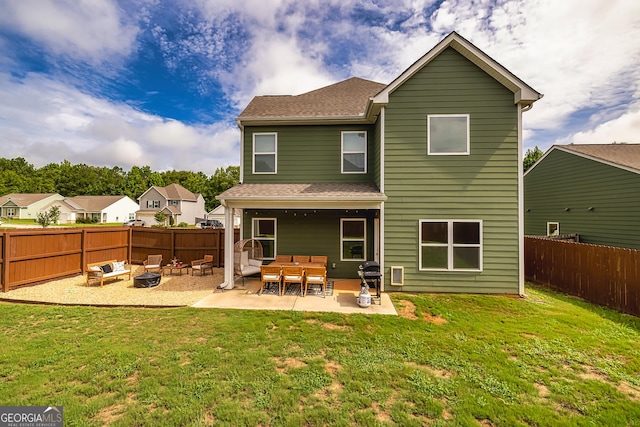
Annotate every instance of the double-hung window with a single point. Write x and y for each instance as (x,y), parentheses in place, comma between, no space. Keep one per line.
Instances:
(450,245)
(264,230)
(265,153)
(153,204)
(447,134)
(354,152)
(353,232)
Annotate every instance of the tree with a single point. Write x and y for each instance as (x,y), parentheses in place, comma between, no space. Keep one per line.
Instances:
(49,217)
(160,217)
(530,157)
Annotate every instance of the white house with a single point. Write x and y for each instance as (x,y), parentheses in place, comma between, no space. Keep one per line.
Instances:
(104,208)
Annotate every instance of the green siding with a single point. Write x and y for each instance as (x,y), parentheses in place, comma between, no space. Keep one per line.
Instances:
(564,180)
(308,154)
(313,232)
(481,186)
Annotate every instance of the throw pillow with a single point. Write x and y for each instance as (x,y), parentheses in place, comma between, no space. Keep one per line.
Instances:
(106,268)
(255,262)
(118,266)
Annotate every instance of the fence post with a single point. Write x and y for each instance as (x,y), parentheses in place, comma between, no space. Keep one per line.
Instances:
(5,262)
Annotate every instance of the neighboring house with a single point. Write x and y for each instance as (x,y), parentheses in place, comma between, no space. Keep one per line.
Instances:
(175,201)
(219,214)
(423,174)
(25,205)
(103,208)
(592,190)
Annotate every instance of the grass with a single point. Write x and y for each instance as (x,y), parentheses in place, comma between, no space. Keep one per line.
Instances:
(449,360)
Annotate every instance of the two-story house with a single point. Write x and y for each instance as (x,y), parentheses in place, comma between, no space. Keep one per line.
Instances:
(592,190)
(423,175)
(175,201)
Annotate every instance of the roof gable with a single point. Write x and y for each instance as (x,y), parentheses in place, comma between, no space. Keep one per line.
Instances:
(26,199)
(94,203)
(622,156)
(523,93)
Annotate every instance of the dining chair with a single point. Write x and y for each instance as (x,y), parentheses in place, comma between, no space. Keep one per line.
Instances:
(270,274)
(283,258)
(292,274)
(319,259)
(315,276)
(301,258)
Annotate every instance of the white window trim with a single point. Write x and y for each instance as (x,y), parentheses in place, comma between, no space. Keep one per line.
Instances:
(275,153)
(450,245)
(557,224)
(342,239)
(275,233)
(466,152)
(343,151)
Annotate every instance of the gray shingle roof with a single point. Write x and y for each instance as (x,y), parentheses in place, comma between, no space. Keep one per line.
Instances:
(627,155)
(25,199)
(347,98)
(176,192)
(324,191)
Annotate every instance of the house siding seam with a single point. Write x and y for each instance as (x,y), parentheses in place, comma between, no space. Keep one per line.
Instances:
(482,185)
(564,180)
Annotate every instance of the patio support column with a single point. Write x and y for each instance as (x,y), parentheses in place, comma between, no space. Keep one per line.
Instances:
(228,247)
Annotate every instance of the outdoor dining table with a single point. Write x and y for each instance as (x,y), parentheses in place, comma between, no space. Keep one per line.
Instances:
(304,265)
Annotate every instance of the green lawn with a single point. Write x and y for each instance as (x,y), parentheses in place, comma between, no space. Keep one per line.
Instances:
(450,360)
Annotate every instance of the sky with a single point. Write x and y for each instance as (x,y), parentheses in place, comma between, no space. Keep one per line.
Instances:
(159,83)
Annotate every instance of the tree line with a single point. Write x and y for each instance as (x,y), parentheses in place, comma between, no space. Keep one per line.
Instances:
(69,180)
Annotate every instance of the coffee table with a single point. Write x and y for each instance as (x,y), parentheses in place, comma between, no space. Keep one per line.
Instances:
(176,269)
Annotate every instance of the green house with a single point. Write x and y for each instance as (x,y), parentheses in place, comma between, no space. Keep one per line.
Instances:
(592,190)
(422,175)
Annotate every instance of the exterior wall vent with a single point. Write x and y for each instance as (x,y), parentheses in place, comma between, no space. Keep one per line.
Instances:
(397,276)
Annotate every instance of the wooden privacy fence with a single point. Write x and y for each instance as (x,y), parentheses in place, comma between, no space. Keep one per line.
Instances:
(604,275)
(35,255)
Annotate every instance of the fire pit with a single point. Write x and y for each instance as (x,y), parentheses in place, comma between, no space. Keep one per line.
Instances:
(146,280)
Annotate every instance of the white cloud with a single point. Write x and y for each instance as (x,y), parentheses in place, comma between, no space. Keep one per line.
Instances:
(46,121)
(625,128)
(91,30)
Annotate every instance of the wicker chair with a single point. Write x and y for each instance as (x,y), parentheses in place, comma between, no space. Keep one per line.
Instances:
(153,262)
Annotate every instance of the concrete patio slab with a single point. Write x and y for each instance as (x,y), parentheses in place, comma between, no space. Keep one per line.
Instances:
(343,300)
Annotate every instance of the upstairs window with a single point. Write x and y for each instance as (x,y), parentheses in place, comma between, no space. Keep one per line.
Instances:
(354,152)
(265,147)
(451,245)
(153,204)
(447,134)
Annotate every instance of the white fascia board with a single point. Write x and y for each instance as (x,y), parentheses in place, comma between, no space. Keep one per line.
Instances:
(297,203)
(523,93)
(272,121)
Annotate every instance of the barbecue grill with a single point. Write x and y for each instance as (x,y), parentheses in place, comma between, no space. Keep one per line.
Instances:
(369,272)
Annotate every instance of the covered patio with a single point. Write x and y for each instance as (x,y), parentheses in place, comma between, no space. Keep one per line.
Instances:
(342,299)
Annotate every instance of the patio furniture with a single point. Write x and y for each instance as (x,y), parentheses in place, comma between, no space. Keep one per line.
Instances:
(292,274)
(176,269)
(315,276)
(146,280)
(319,259)
(202,265)
(270,274)
(153,262)
(107,269)
(301,258)
(247,258)
(283,258)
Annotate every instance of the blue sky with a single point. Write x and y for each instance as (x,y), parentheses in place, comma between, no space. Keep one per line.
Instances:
(159,83)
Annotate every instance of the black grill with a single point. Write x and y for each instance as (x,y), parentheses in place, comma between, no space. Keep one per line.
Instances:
(369,272)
